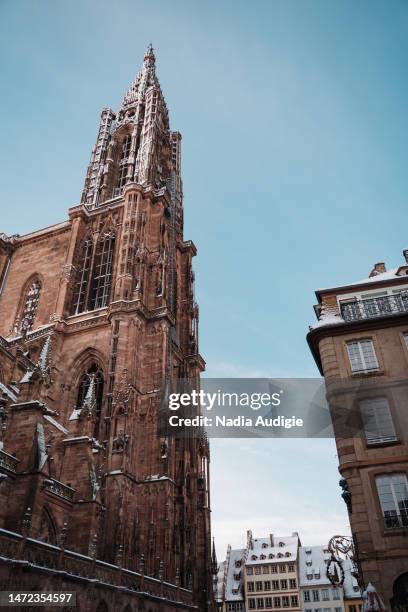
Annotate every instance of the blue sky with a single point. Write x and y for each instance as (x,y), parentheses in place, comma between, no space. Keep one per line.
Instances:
(294,122)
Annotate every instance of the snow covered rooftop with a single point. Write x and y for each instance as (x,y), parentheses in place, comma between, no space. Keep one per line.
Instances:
(313,562)
(400,273)
(220,581)
(382,276)
(312,570)
(273,550)
(233,586)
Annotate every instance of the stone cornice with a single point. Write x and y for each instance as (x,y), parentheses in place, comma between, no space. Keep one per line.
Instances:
(45,233)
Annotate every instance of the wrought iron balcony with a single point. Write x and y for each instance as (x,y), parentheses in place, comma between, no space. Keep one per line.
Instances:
(392,520)
(373,307)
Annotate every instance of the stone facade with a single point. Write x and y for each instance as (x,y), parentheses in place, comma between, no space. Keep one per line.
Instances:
(360,345)
(98,322)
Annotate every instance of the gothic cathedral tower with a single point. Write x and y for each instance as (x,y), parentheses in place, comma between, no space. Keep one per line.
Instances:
(97,319)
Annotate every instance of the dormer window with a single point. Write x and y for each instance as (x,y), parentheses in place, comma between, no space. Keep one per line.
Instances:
(238,563)
(262,557)
(254,557)
(271,556)
(264,545)
(287,554)
(281,544)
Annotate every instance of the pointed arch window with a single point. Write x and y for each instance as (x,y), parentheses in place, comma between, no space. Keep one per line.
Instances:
(90,398)
(124,162)
(30,306)
(82,281)
(47,531)
(94,274)
(102,271)
(93,374)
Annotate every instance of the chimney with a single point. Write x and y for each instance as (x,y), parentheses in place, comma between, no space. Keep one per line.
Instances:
(405,254)
(271,539)
(379,268)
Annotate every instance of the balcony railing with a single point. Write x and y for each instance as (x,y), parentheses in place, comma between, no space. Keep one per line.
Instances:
(59,488)
(8,462)
(392,520)
(371,308)
(58,561)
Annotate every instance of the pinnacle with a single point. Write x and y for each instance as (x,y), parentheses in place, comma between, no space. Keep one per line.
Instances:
(150,53)
(145,78)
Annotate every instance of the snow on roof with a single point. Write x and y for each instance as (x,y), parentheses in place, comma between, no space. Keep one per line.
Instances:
(220,581)
(27,376)
(8,392)
(233,587)
(328,318)
(284,548)
(382,276)
(313,562)
(350,586)
(56,424)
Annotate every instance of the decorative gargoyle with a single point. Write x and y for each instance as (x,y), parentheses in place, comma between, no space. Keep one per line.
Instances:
(120,442)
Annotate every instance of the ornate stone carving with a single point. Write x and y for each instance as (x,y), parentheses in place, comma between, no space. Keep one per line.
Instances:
(122,395)
(119,444)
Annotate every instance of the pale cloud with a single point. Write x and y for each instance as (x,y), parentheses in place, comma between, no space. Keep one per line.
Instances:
(275,486)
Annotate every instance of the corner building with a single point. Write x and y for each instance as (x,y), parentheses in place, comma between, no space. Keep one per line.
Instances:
(360,344)
(98,321)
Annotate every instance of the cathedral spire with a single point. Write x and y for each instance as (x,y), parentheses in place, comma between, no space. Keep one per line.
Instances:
(135,144)
(145,78)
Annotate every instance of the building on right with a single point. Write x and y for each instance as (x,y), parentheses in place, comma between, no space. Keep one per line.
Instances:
(316,590)
(360,345)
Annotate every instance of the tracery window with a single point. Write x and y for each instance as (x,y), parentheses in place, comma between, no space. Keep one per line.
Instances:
(30,306)
(123,162)
(81,285)
(94,274)
(102,272)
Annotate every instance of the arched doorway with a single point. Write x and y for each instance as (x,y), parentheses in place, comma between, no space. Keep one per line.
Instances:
(399,601)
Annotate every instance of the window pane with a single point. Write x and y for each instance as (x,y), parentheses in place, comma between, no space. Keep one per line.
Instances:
(393,495)
(362,356)
(103,268)
(377,420)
